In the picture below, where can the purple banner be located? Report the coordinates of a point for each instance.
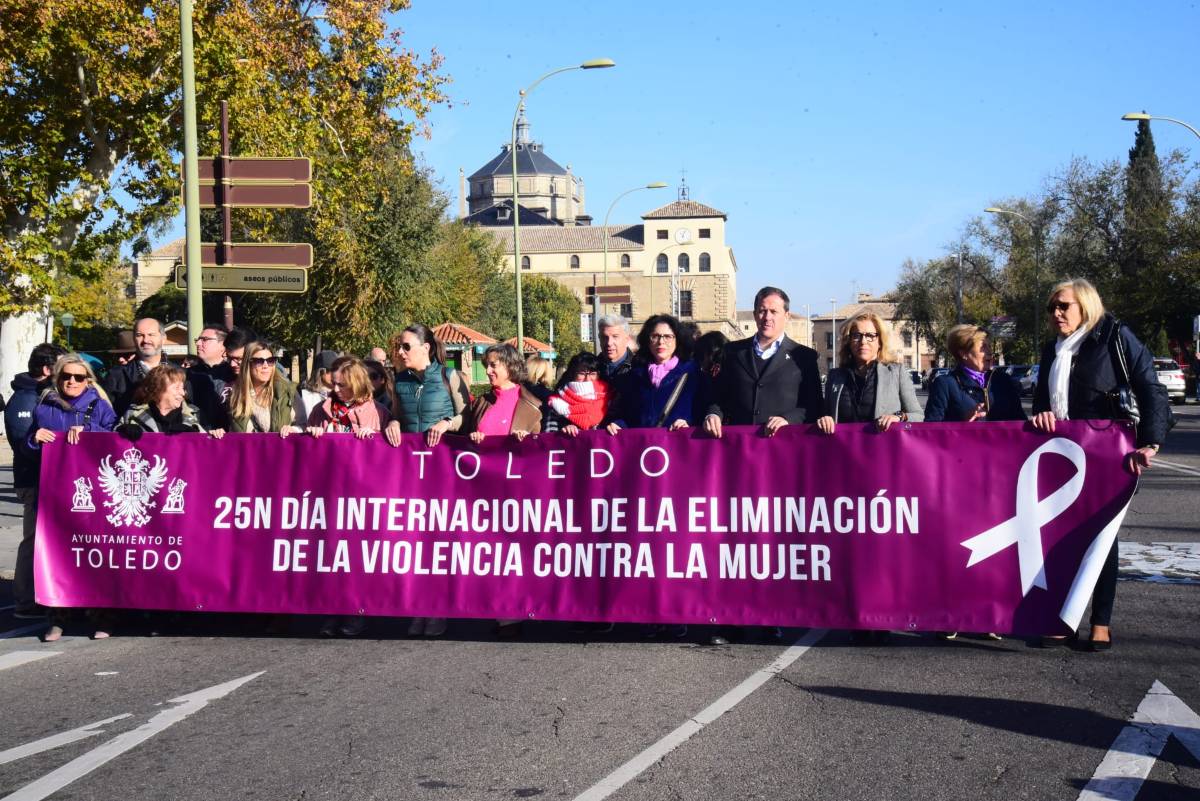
(927, 527)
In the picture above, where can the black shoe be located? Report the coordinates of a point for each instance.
(772, 633)
(717, 639)
(1047, 641)
(1097, 646)
(508, 631)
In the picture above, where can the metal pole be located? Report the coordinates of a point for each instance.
(958, 317)
(191, 178)
(1037, 304)
(833, 330)
(516, 212)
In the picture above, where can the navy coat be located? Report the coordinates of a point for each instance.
(954, 396)
(640, 404)
(1094, 379)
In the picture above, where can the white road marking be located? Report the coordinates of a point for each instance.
(1165, 562)
(23, 630)
(6, 608)
(185, 706)
(1179, 468)
(634, 767)
(58, 740)
(17, 658)
(1160, 716)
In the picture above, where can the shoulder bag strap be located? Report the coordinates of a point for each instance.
(671, 401)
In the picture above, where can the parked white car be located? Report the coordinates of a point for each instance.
(1030, 379)
(1170, 375)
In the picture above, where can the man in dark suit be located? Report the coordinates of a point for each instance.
(766, 379)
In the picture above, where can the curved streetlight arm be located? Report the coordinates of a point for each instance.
(1136, 117)
(596, 63)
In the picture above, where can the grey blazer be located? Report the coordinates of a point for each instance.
(894, 391)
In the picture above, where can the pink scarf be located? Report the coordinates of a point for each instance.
(659, 371)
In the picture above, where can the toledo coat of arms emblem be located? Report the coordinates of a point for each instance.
(131, 484)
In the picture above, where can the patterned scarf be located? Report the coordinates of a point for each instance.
(583, 403)
(339, 415)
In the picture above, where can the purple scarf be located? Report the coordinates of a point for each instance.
(976, 376)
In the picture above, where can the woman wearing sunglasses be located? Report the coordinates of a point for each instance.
(1092, 358)
(429, 399)
(72, 404)
(430, 396)
(263, 399)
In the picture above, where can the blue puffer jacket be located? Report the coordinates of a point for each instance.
(955, 396)
(56, 413)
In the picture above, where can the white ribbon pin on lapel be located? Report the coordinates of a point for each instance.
(1025, 528)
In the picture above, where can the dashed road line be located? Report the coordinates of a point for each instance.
(17, 658)
(634, 767)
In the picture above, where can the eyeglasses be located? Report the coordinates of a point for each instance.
(207, 339)
(661, 337)
(263, 361)
(1059, 305)
(863, 336)
(582, 375)
(67, 378)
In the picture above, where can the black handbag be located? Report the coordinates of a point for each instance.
(1124, 399)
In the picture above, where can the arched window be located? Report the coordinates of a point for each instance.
(660, 265)
(685, 264)
(524, 262)
(624, 261)
(705, 263)
(574, 262)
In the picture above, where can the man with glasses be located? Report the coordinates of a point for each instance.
(210, 348)
(18, 423)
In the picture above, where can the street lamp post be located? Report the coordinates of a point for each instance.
(1135, 117)
(595, 63)
(67, 321)
(833, 330)
(604, 234)
(1036, 229)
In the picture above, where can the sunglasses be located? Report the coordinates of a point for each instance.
(375, 376)
(407, 346)
(1059, 305)
(263, 361)
(80, 378)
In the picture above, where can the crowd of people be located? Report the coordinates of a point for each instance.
(668, 377)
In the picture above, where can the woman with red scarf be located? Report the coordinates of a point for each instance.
(581, 400)
(351, 408)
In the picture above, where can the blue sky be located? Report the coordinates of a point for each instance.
(840, 140)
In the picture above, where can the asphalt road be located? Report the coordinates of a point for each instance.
(558, 716)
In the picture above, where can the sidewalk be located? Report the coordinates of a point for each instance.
(10, 515)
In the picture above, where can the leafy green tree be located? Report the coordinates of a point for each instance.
(543, 299)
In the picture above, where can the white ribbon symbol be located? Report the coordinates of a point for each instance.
(1025, 529)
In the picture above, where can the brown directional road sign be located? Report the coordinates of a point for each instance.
(616, 293)
(256, 170)
(252, 254)
(247, 279)
(265, 196)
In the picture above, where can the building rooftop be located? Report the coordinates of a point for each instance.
(531, 160)
(459, 334)
(576, 238)
(171, 250)
(491, 216)
(682, 209)
(531, 345)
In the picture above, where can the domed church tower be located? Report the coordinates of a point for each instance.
(548, 194)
